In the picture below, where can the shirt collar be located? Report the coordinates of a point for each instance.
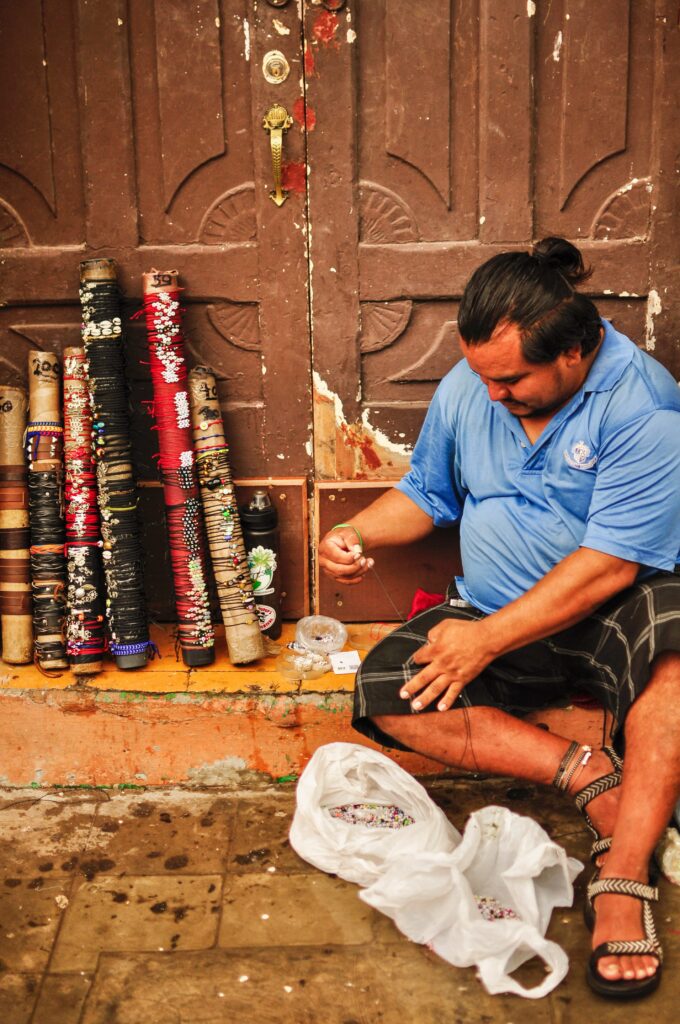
(614, 356)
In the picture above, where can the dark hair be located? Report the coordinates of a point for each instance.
(534, 290)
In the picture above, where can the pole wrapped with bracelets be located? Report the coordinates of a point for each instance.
(15, 574)
(44, 454)
(223, 526)
(177, 467)
(85, 623)
(116, 488)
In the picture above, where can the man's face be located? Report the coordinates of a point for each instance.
(525, 389)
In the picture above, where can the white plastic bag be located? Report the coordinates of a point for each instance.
(427, 878)
(346, 773)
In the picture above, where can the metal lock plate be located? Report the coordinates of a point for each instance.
(275, 67)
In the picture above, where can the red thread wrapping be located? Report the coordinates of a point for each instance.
(178, 469)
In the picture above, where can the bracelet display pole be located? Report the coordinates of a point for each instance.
(178, 468)
(116, 488)
(15, 574)
(85, 625)
(223, 526)
(44, 451)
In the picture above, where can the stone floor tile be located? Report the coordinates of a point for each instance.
(293, 910)
(261, 836)
(17, 997)
(29, 917)
(138, 833)
(144, 913)
(360, 985)
(61, 998)
(43, 832)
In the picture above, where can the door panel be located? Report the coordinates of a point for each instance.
(479, 126)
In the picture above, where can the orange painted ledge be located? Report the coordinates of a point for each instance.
(167, 725)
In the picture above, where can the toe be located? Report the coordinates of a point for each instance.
(610, 968)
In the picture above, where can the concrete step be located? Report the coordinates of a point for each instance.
(168, 725)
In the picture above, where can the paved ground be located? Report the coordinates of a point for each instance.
(190, 907)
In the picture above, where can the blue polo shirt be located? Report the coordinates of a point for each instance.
(604, 474)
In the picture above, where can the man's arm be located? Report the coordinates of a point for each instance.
(391, 519)
(458, 651)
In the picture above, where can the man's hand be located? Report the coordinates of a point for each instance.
(454, 655)
(340, 557)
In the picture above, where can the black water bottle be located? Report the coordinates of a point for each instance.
(260, 524)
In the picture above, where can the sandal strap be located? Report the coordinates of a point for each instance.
(600, 846)
(622, 887)
(596, 788)
(616, 761)
(637, 947)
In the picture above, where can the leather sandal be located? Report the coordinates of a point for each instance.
(624, 988)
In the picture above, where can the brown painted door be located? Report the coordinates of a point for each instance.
(448, 130)
(133, 130)
(426, 137)
(444, 132)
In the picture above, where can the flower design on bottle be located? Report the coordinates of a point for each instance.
(262, 565)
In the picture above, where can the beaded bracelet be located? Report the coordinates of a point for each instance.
(338, 526)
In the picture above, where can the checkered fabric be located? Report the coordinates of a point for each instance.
(607, 656)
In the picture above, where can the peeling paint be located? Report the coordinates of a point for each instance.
(325, 27)
(653, 309)
(531, 8)
(304, 114)
(309, 448)
(282, 29)
(309, 61)
(246, 38)
(557, 46)
(218, 772)
(294, 177)
(382, 438)
(351, 35)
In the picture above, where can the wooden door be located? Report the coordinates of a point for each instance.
(427, 136)
(133, 130)
(444, 132)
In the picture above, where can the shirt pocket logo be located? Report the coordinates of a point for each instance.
(580, 456)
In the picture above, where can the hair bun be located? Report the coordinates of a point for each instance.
(561, 255)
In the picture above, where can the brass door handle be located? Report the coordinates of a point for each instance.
(276, 121)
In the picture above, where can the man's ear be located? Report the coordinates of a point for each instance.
(573, 356)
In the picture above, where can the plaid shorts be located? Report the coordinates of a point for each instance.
(607, 656)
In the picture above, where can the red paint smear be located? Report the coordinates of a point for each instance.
(310, 65)
(325, 27)
(305, 117)
(294, 177)
(356, 440)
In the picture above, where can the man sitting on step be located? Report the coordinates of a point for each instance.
(555, 445)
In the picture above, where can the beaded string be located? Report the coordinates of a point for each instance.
(85, 624)
(43, 442)
(112, 453)
(15, 578)
(178, 469)
(223, 525)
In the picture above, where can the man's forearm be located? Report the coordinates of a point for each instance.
(392, 519)
(567, 594)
